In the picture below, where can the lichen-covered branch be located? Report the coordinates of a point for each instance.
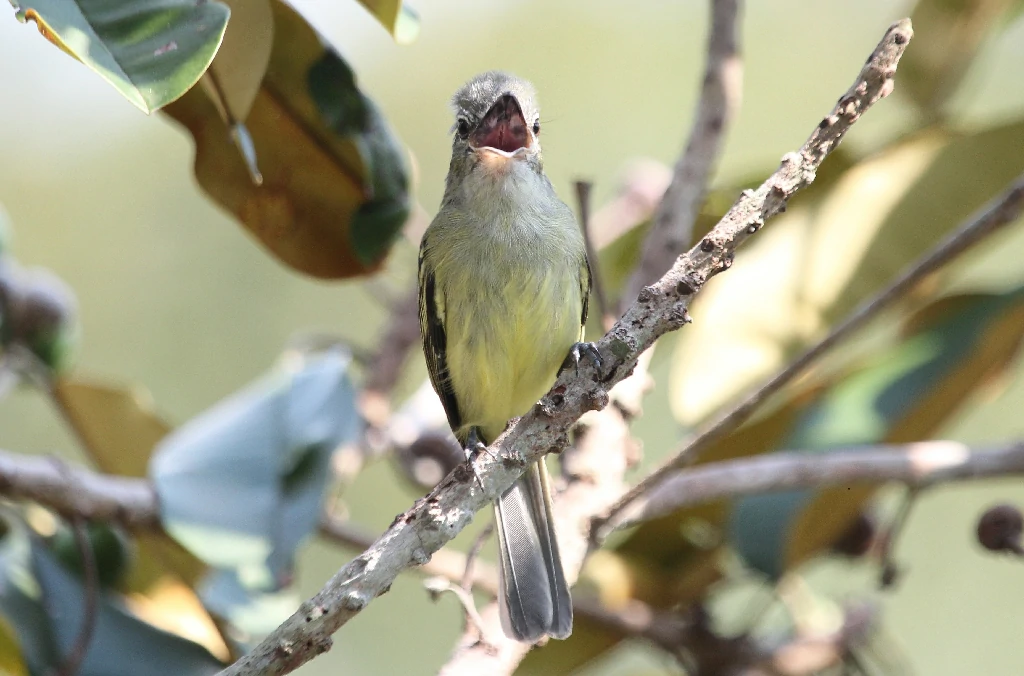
(661, 307)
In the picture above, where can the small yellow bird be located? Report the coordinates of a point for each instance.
(503, 288)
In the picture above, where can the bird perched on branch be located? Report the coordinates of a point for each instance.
(503, 287)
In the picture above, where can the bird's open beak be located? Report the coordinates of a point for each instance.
(503, 130)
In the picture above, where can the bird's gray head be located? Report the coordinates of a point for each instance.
(497, 122)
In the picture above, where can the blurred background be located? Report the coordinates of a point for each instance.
(175, 296)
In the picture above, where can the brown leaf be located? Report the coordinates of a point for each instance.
(314, 179)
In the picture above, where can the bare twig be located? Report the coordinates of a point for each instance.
(73, 662)
(722, 88)
(438, 585)
(889, 571)
(642, 185)
(76, 492)
(917, 465)
(596, 279)
(660, 308)
(998, 213)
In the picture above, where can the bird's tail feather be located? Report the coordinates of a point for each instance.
(533, 596)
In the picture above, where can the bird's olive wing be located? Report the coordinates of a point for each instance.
(432, 316)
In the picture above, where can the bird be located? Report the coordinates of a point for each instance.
(504, 283)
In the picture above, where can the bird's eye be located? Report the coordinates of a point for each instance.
(536, 127)
(462, 128)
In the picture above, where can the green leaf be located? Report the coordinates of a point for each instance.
(21, 595)
(150, 51)
(111, 550)
(329, 200)
(378, 221)
(241, 486)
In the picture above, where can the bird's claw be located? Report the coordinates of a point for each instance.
(588, 350)
(473, 448)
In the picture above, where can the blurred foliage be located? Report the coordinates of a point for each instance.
(46, 604)
(903, 392)
(954, 32)
(324, 188)
(332, 189)
(275, 440)
(290, 146)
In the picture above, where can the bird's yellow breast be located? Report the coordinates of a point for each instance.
(509, 266)
(508, 334)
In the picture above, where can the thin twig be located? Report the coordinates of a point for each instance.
(888, 570)
(661, 307)
(721, 91)
(90, 610)
(990, 219)
(918, 465)
(642, 185)
(78, 492)
(596, 279)
(438, 585)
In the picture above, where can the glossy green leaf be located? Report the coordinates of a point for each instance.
(674, 560)
(321, 190)
(241, 485)
(903, 395)
(151, 52)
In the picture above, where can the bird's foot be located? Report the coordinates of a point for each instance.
(473, 448)
(580, 350)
